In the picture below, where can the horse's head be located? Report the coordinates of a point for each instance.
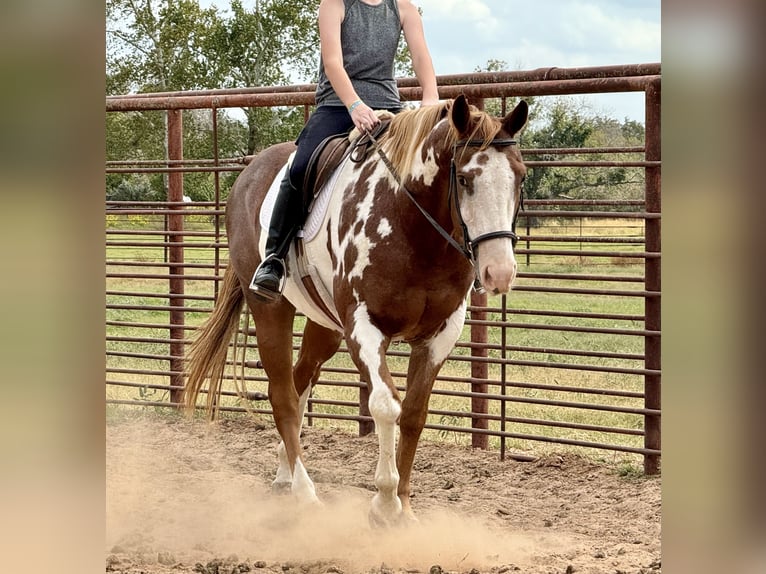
(457, 150)
(487, 174)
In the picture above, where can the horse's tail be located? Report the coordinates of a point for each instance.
(207, 355)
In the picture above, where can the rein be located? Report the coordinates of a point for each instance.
(469, 245)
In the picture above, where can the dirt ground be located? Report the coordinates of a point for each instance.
(185, 496)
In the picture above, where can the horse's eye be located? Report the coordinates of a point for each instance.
(462, 181)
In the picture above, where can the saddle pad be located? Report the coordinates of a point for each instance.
(314, 220)
(321, 201)
(312, 299)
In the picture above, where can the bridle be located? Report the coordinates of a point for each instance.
(468, 243)
(468, 248)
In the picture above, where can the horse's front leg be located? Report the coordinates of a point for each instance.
(367, 346)
(426, 359)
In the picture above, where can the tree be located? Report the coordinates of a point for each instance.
(135, 136)
(198, 144)
(140, 136)
(565, 123)
(561, 125)
(275, 44)
(494, 106)
(403, 59)
(154, 45)
(161, 45)
(617, 182)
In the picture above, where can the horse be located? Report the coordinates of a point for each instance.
(408, 232)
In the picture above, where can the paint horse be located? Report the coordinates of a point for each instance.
(406, 234)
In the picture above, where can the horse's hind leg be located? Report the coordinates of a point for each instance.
(274, 331)
(319, 344)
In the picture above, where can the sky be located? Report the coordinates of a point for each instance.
(464, 35)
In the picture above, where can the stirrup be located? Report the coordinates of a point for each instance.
(267, 294)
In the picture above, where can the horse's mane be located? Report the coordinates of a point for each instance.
(410, 128)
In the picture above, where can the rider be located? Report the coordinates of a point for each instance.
(358, 44)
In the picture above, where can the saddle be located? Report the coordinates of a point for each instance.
(330, 153)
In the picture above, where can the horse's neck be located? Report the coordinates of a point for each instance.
(428, 183)
(423, 230)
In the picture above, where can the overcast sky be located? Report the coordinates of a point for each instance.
(465, 34)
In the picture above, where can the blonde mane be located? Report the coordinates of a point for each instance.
(410, 128)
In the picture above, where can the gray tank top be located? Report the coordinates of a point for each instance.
(369, 39)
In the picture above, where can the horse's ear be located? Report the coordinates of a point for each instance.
(514, 121)
(460, 114)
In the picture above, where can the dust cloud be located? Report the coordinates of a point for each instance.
(194, 500)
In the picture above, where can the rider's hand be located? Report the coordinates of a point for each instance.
(364, 117)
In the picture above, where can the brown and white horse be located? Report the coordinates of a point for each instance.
(404, 238)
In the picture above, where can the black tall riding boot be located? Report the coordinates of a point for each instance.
(268, 279)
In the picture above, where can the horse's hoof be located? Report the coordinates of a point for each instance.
(379, 522)
(281, 488)
(408, 518)
(385, 515)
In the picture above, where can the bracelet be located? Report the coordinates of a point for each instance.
(354, 105)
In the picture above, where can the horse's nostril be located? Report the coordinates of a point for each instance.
(498, 278)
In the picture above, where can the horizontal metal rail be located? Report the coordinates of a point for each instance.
(429, 426)
(306, 98)
(165, 261)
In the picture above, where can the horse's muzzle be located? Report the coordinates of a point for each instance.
(498, 278)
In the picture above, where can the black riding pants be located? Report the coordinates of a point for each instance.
(326, 121)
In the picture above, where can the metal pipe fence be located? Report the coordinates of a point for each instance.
(570, 358)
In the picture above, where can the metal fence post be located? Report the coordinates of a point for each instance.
(176, 253)
(217, 199)
(479, 371)
(652, 278)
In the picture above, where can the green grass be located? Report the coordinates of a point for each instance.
(535, 345)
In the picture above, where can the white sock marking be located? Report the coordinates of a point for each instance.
(284, 476)
(385, 410)
(303, 488)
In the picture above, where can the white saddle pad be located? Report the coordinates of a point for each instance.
(314, 220)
